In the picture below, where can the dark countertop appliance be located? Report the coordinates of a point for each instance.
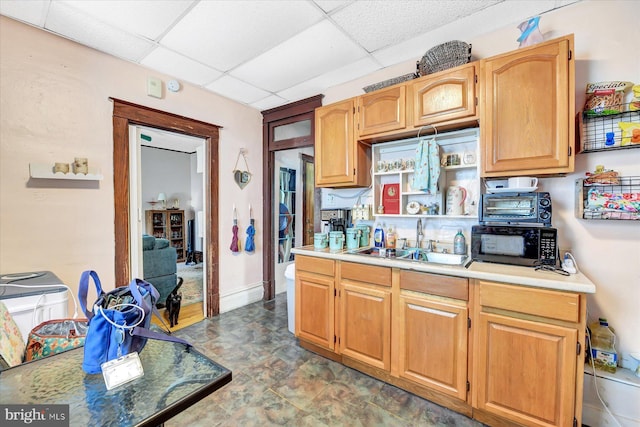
(335, 219)
(515, 208)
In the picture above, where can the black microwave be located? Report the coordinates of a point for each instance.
(518, 245)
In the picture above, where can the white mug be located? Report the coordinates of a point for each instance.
(523, 182)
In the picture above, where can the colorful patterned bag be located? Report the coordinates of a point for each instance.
(55, 336)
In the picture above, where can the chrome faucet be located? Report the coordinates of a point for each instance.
(430, 246)
(419, 232)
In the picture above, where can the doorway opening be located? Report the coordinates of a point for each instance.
(126, 114)
(167, 196)
(288, 127)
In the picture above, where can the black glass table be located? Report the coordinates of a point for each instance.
(174, 379)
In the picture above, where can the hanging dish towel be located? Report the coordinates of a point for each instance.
(249, 245)
(234, 240)
(427, 169)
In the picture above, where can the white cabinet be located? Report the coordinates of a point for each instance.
(394, 163)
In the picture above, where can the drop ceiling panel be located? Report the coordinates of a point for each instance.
(179, 66)
(330, 5)
(148, 18)
(33, 12)
(265, 53)
(332, 78)
(311, 53)
(236, 89)
(223, 34)
(84, 29)
(374, 23)
(270, 102)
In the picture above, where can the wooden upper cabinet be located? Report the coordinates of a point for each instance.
(527, 110)
(340, 160)
(445, 96)
(382, 111)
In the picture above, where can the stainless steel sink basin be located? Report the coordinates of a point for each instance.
(412, 254)
(384, 253)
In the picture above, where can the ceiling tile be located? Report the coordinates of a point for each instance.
(148, 18)
(311, 53)
(269, 102)
(332, 78)
(330, 5)
(34, 12)
(236, 89)
(374, 24)
(174, 64)
(88, 31)
(224, 34)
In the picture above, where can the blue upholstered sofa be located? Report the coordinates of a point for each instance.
(159, 262)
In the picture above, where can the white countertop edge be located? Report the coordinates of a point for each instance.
(526, 276)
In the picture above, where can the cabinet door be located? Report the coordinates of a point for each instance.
(315, 309)
(340, 160)
(382, 111)
(365, 332)
(446, 96)
(526, 370)
(527, 119)
(433, 344)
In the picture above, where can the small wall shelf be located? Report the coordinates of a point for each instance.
(617, 199)
(45, 171)
(595, 128)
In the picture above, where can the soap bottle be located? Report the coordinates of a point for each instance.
(459, 244)
(378, 236)
(603, 351)
(390, 238)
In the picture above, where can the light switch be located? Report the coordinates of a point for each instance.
(154, 87)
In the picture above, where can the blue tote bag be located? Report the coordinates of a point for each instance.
(118, 321)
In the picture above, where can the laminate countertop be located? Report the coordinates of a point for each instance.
(525, 276)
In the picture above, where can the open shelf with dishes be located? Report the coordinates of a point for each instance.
(616, 198)
(395, 167)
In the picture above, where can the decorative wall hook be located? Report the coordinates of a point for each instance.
(242, 177)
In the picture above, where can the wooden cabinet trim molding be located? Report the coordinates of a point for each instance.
(435, 284)
(534, 301)
(366, 273)
(315, 265)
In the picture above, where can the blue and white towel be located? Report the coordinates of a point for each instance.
(427, 169)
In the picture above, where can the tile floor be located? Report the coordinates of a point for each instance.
(276, 382)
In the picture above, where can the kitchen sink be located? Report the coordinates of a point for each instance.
(442, 258)
(412, 254)
(384, 253)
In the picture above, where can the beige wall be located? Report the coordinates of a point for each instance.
(608, 252)
(55, 106)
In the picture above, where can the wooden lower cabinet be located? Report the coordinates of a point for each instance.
(526, 367)
(433, 344)
(315, 301)
(506, 355)
(365, 314)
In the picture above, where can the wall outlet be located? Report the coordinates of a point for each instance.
(564, 251)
